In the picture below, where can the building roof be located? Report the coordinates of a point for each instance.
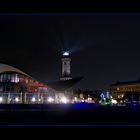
(64, 84)
(126, 83)
(6, 68)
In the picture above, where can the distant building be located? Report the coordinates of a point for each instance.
(122, 90)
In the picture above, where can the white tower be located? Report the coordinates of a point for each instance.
(66, 68)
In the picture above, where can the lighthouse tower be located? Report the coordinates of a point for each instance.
(66, 68)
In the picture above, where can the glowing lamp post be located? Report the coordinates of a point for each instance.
(50, 99)
(33, 99)
(17, 99)
(1, 99)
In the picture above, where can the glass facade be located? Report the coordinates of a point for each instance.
(17, 82)
(18, 87)
(9, 77)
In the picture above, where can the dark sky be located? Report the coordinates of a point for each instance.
(104, 49)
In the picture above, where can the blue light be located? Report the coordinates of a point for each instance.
(65, 53)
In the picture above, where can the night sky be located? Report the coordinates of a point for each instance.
(104, 49)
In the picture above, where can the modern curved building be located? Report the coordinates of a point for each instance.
(19, 87)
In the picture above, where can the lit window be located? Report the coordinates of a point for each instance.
(12, 77)
(4, 77)
(8, 76)
(1, 77)
(16, 79)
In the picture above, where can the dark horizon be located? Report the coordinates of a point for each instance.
(104, 49)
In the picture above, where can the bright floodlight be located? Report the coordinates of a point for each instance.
(65, 53)
(33, 99)
(50, 99)
(64, 100)
(114, 101)
(16, 99)
(1, 99)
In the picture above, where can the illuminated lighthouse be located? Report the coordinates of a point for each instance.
(66, 68)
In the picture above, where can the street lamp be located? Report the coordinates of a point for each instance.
(1, 99)
(17, 99)
(33, 99)
(64, 100)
